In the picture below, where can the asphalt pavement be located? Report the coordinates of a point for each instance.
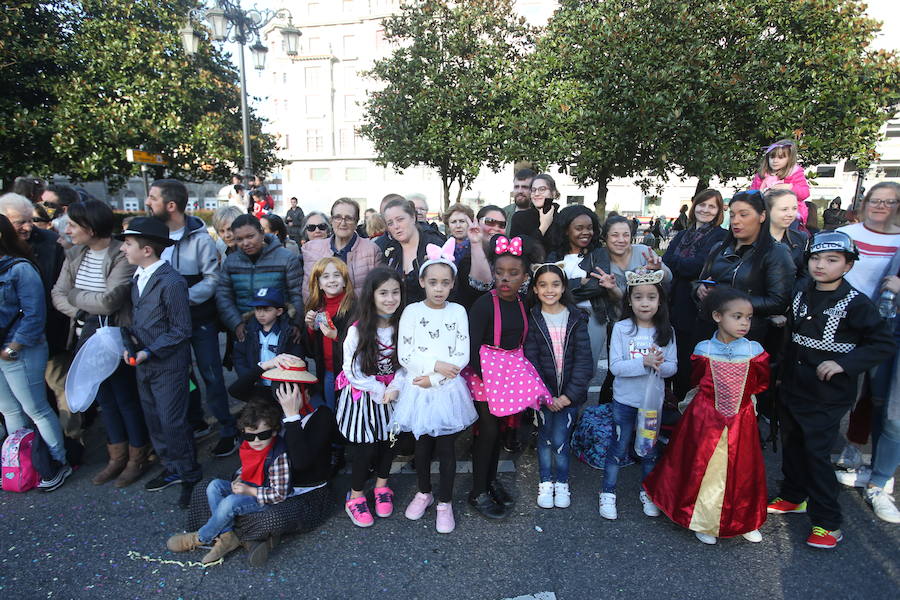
(84, 541)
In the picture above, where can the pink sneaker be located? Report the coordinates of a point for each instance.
(384, 502)
(419, 504)
(358, 511)
(445, 521)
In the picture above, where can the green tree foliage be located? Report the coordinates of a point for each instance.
(123, 81)
(442, 99)
(627, 87)
(30, 63)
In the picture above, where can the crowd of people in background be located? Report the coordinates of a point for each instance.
(357, 336)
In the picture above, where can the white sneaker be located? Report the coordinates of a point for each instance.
(706, 538)
(649, 508)
(753, 536)
(860, 478)
(608, 506)
(850, 458)
(545, 494)
(883, 504)
(561, 497)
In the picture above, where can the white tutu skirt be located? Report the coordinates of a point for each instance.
(434, 411)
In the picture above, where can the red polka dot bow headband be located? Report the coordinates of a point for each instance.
(503, 245)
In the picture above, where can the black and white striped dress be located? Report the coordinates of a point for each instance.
(361, 416)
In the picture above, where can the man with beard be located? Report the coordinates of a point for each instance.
(521, 195)
(194, 255)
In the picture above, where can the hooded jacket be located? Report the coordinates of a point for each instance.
(578, 364)
(196, 258)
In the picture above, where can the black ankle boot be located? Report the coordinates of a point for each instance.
(500, 495)
(485, 505)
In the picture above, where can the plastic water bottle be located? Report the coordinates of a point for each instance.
(886, 307)
(647, 429)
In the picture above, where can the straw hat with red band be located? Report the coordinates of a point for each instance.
(295, 372)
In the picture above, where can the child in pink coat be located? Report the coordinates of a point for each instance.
(778, 167)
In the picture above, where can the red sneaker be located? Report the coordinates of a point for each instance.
(822, 538)
(384, 502)
(780, 506)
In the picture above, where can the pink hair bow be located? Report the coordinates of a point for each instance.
(435, 252)
(504, 245)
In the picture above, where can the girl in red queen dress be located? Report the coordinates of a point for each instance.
(712, 479)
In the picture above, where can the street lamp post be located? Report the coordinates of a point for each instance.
(227, 21)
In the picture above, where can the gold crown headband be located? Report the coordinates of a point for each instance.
(633, 278)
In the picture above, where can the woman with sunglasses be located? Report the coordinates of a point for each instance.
(316, 227)
(360, 254)
(404, 248)
(472, 233)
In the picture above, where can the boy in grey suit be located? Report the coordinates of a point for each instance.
(161, 332)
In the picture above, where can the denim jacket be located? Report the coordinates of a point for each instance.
(21, 288)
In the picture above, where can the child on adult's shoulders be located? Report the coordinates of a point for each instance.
(264, 479)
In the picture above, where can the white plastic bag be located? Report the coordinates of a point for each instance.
(649, 415)
(96, 360)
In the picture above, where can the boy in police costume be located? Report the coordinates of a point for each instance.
(836, 335)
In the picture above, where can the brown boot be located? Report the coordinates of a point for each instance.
(138, 462)
(118, 456)
(225, 543)
(183, 542)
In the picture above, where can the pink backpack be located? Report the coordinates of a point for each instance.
(19, 474)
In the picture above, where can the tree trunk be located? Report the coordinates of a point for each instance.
(600, 203)
(445, 184)
(458, 194)
(702, 184)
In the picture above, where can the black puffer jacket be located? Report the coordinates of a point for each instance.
(578, 364)
(770, 285)
(599, 297)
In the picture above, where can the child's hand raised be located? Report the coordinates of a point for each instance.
(290, 399)
(390, 396)
(310, 320)
(446, 369)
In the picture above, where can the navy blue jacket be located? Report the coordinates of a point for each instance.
(161, 318)
(246, 353)
(578, 363)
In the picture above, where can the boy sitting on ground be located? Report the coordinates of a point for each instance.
(264, 478)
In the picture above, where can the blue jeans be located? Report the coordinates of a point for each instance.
(624, 417)
(121, 410)
(23, 396)
(554, 433)
(885, 432)
(329, 399)
(205, 342)
(225, 506)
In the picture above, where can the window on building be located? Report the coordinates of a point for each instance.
(349, 46)
(892, 172)
(314, 106)
(892, 131)
(380, 42)
(314, 140)
(287, 142)
(351, 108)
(316, 46)
(284, 78)
(312, 77)
(345, 136)
(826, 170)
(355, 174)
(574, 199)
(320, 174)
(850, 166)
(351, 76)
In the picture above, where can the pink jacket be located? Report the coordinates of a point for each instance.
(797, 181)
(362, 258)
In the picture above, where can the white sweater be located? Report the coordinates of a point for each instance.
(428, 335)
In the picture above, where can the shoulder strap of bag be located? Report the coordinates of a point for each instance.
(498, 324)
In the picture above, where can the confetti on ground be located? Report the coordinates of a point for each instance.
(187, 563)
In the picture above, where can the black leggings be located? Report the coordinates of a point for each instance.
(379, 454)
(485, 450)
(445, 448)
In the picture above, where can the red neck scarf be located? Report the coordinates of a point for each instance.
(253, 462)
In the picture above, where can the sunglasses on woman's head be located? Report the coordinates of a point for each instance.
(261, 436)
(494, 222)
(320, 227)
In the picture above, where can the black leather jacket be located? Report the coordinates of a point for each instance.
(770, 286)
